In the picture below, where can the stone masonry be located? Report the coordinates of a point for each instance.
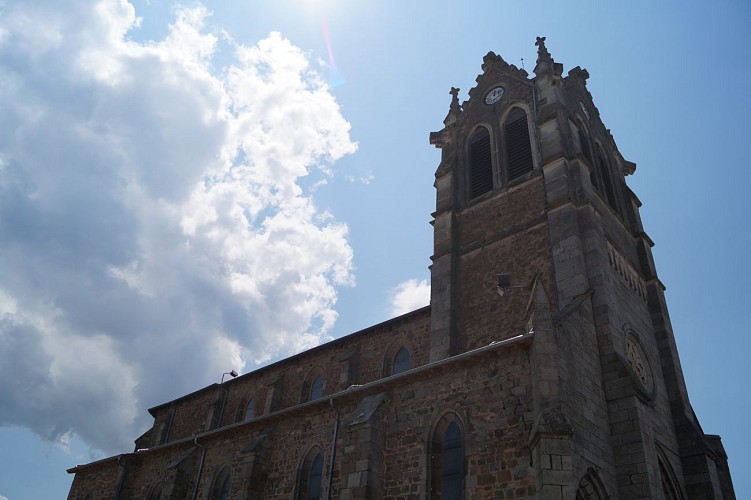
(562, 382)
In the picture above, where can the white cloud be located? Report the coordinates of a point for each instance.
(152, 211)
(3, 497)
(367, 179)
(409, 295)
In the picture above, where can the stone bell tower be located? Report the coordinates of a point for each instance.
(536, 230)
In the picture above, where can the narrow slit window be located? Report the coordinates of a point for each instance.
(222, 484)
(316, 476)
(447, 461)
(310, 479)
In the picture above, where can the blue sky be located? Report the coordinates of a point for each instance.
(142, 256)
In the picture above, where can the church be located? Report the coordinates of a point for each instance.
(545, 366)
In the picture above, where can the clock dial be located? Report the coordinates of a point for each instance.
(494, 95)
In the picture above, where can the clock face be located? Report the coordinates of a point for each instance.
(584, 108)
(494, 95)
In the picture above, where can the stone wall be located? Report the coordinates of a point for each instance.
(356, 359)
(382, 430)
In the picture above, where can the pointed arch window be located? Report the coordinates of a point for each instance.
(250, 409)
(670, 490)
(480, 163)
(591, 487)
(401, 361)
(447, 461)
(222, 484)
(584, 144)
(155, 493)
(316, 388)
(311, 476)
(518, 146)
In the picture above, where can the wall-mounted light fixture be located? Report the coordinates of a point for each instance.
(233, 373)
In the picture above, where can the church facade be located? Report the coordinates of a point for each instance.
(545, 365)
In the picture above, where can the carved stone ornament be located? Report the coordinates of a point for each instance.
(585, 110)
(638, 363)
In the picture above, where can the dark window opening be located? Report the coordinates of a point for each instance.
(316, 388)
(250, 409)
(447, 462)
(453, 462)
(155, 493)
(480, 163)
(401, 361)
(311, 476)
(518, 147)
(584, 145)
(222, 484)
(607, 182)
(316, 476)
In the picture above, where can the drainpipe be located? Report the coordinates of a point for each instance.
(121, 480)
(200, 467)
(333, 448)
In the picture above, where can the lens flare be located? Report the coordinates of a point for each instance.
(335, 76)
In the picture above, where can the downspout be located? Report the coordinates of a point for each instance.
(200, 467)
(121, 481)
(333, 449)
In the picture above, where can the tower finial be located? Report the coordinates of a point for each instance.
(542, 51)
(545, 63)
(455, 109)
(454, 98)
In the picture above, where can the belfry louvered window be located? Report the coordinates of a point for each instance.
(480, 163)
(518, 147)
(584, 144)
(607, 181)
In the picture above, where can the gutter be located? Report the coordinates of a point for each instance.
(354, 389)
(333, 449)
